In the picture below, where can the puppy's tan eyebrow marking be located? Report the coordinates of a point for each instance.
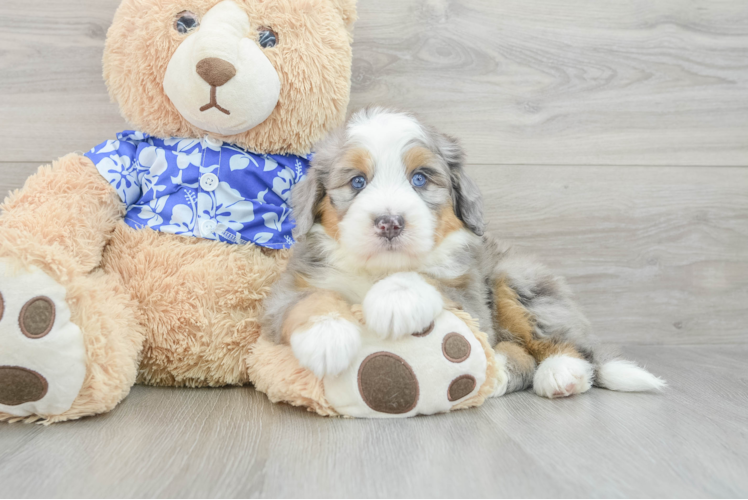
(359, 159)
(417, 157)
(328, 217)
(447, 222)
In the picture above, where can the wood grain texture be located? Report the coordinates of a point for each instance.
(654, 254)
(686, 442)
(521, 82)
(565, 81)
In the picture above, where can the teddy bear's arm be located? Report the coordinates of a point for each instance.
(62, 218)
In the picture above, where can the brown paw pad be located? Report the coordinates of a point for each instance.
(456, 348)
(19, 385)
(37, 317)
(461, 387)
(387, 383)
(2, 306)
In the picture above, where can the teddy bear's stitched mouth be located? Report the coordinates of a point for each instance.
(214, 102)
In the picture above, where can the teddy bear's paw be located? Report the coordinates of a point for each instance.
(424, 373)
(42, 355)
(401, 304)
(328, 346)
(561, 376)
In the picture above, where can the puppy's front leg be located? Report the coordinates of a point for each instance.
(323, 333)
(401, 304)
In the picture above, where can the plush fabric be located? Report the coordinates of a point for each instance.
(313, 61)
(151, 306)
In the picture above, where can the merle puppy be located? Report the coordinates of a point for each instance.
(387, 218)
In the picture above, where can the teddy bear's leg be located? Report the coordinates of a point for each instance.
(69, 339)
(65, 351)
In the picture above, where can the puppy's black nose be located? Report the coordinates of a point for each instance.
(389, 226)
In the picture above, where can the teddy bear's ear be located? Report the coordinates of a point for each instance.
(347, 9)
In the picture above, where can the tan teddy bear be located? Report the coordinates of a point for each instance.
(147, 259)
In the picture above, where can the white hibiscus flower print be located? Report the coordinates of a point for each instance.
(151, 212)
(121, 174)
(226, 206)
(107, 147)
(274, 222)
(159, 180)
(154, 160)
(283, 182)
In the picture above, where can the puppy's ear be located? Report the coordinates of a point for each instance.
(468, 202)
(305, 196)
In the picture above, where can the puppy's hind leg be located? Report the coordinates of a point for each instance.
(556, 333)
(518, 368)
(534, 309)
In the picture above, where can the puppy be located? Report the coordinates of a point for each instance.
(387, 218)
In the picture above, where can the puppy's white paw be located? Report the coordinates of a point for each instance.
(400, 305)
(561, 376)
(328, 346)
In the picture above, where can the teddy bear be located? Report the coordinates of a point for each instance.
(147, 259)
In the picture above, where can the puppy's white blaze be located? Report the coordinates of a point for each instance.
(622, 375)
(328, 346)
(385, 135)
(560, 376)
(400, 305)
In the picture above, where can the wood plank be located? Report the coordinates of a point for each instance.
(52, 95)
(655, 254)
(685, 442)
(521, 82)
(565, 81)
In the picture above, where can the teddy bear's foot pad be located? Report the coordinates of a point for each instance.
(42, 355)
(421, 374)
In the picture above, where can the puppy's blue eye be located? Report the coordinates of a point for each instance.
(418, 180)
(358, 182)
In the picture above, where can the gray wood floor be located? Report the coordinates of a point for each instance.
(609, 138)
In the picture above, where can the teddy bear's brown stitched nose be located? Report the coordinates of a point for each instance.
(216, 71)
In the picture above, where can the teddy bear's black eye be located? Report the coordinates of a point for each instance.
(268, 38)
(186, 21)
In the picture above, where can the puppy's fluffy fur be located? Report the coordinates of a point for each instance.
(372, 232)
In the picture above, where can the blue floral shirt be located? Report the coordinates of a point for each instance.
(202, 188)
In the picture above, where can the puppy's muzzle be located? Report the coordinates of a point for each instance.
(389, 226)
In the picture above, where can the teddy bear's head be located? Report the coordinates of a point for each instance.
(271, 76)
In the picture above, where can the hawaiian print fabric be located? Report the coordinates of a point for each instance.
(202, 188)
